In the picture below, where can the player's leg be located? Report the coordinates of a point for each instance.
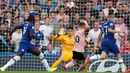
(12, 61)
(103, 55)
(115, 50)
(120, 60)
(73, 61)
(65, 57)
(34, 50)
(57, 63)
(70, 64)
(81, 61)
(22, 49)
(81, 66)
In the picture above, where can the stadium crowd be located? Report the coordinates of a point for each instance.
(53, 15)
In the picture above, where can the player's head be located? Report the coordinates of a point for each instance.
(96, 24)
(47, 21)
(70, 31)
(37, 25)
(31, 19)
(111, 13)
(82, 23)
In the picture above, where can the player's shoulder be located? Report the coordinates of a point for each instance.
(40, 32)
(110, 22)
(91, 30)
(64, 36)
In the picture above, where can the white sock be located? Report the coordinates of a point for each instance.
(44, 62)
(46, 65)
(95, 57)
(12, 61)
(123, 67)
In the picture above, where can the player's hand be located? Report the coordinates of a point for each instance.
(62, 31)
(96, 49)
(9, 38)
(98, 46)
(122, 34)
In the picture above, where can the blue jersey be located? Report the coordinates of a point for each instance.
(26, 29)
(40, 36)
(104, 28)
(109, 42)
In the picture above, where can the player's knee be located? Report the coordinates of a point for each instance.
(41, 56)
(17, 58)
(120, 60)
(102, 58)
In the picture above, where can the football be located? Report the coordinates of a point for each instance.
(70, 4)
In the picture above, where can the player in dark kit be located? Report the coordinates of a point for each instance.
(108, 43)
(25, 45)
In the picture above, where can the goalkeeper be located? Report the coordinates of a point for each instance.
(68, 45)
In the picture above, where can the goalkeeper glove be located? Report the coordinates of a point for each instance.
(61, 32)
(88, 39)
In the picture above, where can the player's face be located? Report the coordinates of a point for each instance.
(70, 32)
(120, 20)
(44, 15)
(47, 21)
(26, 15)
(96, 25)
(53, 15)
(37, 25)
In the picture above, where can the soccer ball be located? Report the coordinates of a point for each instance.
(70, 4)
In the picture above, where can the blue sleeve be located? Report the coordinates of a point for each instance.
(21, 25)
(31, 29)
(42, 36)
(110, 25)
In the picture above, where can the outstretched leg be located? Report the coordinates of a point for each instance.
(12, 61)
(71, 63)
(56, 63)
(120, 60)
(37, 52)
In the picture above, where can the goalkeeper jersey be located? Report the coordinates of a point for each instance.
(67, 42)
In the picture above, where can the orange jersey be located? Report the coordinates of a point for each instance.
(67, 42)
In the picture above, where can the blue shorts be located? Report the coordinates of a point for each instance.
(25, 47)
(110, 46)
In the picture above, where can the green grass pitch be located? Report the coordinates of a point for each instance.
(48, 72)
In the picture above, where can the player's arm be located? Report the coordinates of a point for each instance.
(42, 41)
(42, 44)
(14, 29)
(31, 31)
(110, 28)
(32, 36)
(58, 37)
(86, 27)
(99, 39)
(114, 31)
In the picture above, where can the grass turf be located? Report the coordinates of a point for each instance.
(48, 72)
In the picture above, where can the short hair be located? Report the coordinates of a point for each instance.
(61, 20)
(53, 12)
(70, 28)
(81, 23)
(31, 18)
(96, 21)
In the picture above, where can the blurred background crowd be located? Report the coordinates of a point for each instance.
(53, 15)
